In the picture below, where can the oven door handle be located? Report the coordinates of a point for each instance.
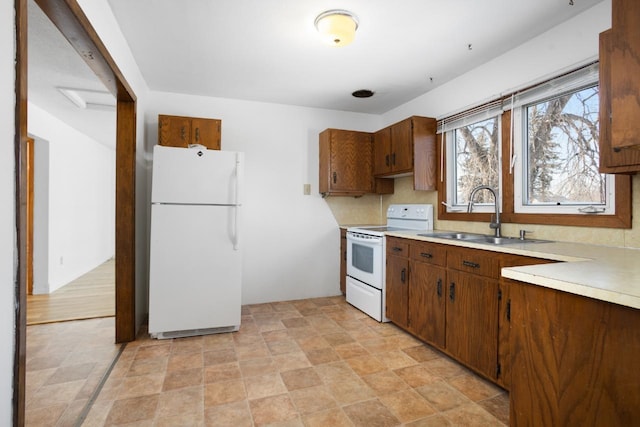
(374, 241)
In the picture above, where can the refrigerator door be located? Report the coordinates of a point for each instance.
(195, 274)
(196, 176)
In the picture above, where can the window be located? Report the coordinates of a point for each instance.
(540, 148)
(556, 153)
(475, 161)
(473, 157)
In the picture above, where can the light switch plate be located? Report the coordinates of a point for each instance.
(306, 189)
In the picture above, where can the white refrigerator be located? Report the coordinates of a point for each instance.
(195, 252)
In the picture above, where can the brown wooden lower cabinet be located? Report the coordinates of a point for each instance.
(397, 282)
(453, 298)
(472, 321)
(575, 360)
(427, 296)
(566, 360)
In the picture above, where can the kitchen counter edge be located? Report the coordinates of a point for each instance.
(605, 273)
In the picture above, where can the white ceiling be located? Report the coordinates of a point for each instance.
(268, 50)
(53, 64)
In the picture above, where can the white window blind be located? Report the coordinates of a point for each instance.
(470, 116)
(583, 77)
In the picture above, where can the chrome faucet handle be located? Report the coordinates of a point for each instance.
(523, 233)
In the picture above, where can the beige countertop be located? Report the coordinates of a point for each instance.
(605, 273)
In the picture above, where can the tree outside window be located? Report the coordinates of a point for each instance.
(561, 145)
(476, 159)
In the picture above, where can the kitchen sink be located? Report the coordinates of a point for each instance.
(481, 238)
(454, 236)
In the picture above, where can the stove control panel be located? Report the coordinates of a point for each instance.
(415, 211)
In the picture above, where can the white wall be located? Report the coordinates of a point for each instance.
(79, 205)
(563, 48)
(291, 240)
(41, 216)
(7, 207)
(102, 19)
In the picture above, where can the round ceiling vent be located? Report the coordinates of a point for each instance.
(363, 93)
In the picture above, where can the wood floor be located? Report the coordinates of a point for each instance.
(89, 296)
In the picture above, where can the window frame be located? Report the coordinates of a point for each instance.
(521, 157)
(620, 219)
(451, 163)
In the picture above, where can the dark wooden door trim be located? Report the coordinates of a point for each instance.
(69, 18)
(20, 145)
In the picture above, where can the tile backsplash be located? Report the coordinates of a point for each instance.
(371, 209)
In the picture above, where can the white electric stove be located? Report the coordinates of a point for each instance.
(366, 247)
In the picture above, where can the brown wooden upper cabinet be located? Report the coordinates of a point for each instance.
(177, 131)
(407, 147)
(619, 87)
(346, 167)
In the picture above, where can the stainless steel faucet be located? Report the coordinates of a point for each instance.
(493, 224)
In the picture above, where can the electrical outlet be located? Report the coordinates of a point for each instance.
(61, 260)
(307, 189)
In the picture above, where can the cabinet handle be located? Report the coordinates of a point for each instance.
(452, 291)
(403, 275)
(197, 134)
(439, 288)
(426, 255)
(335, 177)
(183, 133)
(470, 264)
(396, 249)
(393, 159)
(386, 159)
(509, 310)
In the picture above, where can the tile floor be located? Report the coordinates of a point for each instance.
(315, 362)
(64, 364)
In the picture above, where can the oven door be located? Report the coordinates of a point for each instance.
(365, 258)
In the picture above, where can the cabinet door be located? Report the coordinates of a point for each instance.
(425, 157)
(397, 294)
(504, 315)
(382, 151)
(402, 147)
(174, 131)
(427, 303)
(612, 159)
(206, 132)
(625, 73)
(472, 321)
(351, 167)
(574, 360)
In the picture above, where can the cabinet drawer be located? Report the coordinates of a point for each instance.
(431, 253)
(397, 247)
(474, 261)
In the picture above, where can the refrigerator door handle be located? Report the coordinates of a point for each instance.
(236, 227)
(238, 180)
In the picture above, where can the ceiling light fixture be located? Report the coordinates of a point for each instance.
(89, 99)
(337, 27)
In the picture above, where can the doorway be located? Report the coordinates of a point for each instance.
(74, 25)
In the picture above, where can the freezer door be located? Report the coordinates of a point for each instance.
(196, 176)
(195, 274)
